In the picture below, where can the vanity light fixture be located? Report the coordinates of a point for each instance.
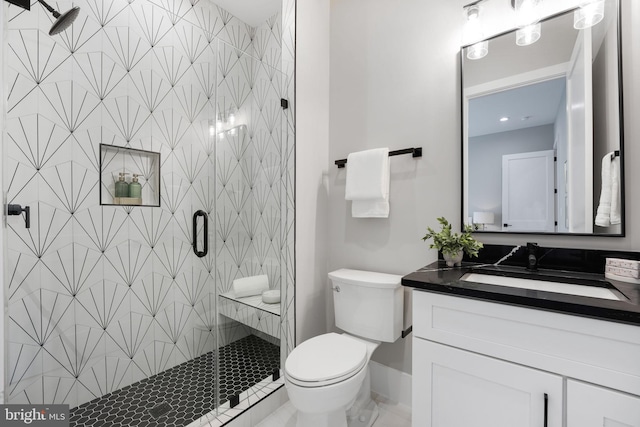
(588, 14)
(504, 119)
(529, 28)
(473, 30)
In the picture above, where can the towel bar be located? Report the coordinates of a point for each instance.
(415, 152)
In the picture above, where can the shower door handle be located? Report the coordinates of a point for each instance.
(205, 246)
(17, 210)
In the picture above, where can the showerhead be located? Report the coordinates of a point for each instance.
(64, 20)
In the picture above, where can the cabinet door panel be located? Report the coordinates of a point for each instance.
(592, 406)
(454, 387)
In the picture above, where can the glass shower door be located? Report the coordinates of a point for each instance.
(250, 186)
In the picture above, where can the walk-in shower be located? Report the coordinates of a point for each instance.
(152, 143)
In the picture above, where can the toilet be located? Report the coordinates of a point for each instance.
(327, 376)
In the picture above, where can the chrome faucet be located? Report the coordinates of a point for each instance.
(532, 256)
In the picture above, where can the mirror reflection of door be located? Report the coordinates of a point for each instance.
(528, 182)
(488, 144)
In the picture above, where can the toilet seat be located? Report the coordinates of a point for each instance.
(326, 359)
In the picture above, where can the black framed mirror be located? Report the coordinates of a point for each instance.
(542, 137)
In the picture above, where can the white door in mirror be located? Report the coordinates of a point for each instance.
(528, 192)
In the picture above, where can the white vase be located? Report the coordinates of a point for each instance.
(455, 259)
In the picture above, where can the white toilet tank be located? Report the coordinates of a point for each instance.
(368, 304)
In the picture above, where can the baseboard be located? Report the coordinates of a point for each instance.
(393, 384)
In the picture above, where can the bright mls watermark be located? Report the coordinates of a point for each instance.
(34, 415)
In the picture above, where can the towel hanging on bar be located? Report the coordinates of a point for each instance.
(368, 183)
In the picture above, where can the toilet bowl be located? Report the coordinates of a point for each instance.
(327, 377)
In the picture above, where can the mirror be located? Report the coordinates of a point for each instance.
(542, 131)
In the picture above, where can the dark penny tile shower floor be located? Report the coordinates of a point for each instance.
(187, 389)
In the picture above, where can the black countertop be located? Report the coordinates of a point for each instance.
(439, 278)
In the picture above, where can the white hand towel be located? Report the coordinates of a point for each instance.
(615, 191)
(603, 214)
(249, 286)
(368, 183)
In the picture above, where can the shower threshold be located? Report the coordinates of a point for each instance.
(184, 393)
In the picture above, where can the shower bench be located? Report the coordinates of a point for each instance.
(252, 312)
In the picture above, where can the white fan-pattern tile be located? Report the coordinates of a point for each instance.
(103, 296)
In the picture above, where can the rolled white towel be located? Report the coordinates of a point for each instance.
(249, 286)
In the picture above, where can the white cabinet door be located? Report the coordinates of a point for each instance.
(456, 388)
(592, 406)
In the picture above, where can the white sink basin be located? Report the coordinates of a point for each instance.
(542, 285)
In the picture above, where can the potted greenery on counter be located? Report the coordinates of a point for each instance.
(453, 245)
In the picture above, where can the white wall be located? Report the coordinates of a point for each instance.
(394, 84)
(312, 159)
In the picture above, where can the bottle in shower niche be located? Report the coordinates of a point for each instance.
(135, 188)
(122, 187)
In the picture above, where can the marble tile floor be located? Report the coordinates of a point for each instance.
(391, 415)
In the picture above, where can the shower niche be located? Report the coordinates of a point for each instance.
(129, 176)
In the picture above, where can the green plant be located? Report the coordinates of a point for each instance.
(451, 243)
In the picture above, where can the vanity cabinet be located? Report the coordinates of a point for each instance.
(593, 406)
(467, 389)
(482, 363)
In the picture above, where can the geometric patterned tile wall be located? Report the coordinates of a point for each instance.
(103, 296)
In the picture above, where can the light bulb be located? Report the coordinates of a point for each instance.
(473, 13)
(478, 50)
(528, 35)
(232, 118)
(589, 14)
(527, 12)
(472, 27)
